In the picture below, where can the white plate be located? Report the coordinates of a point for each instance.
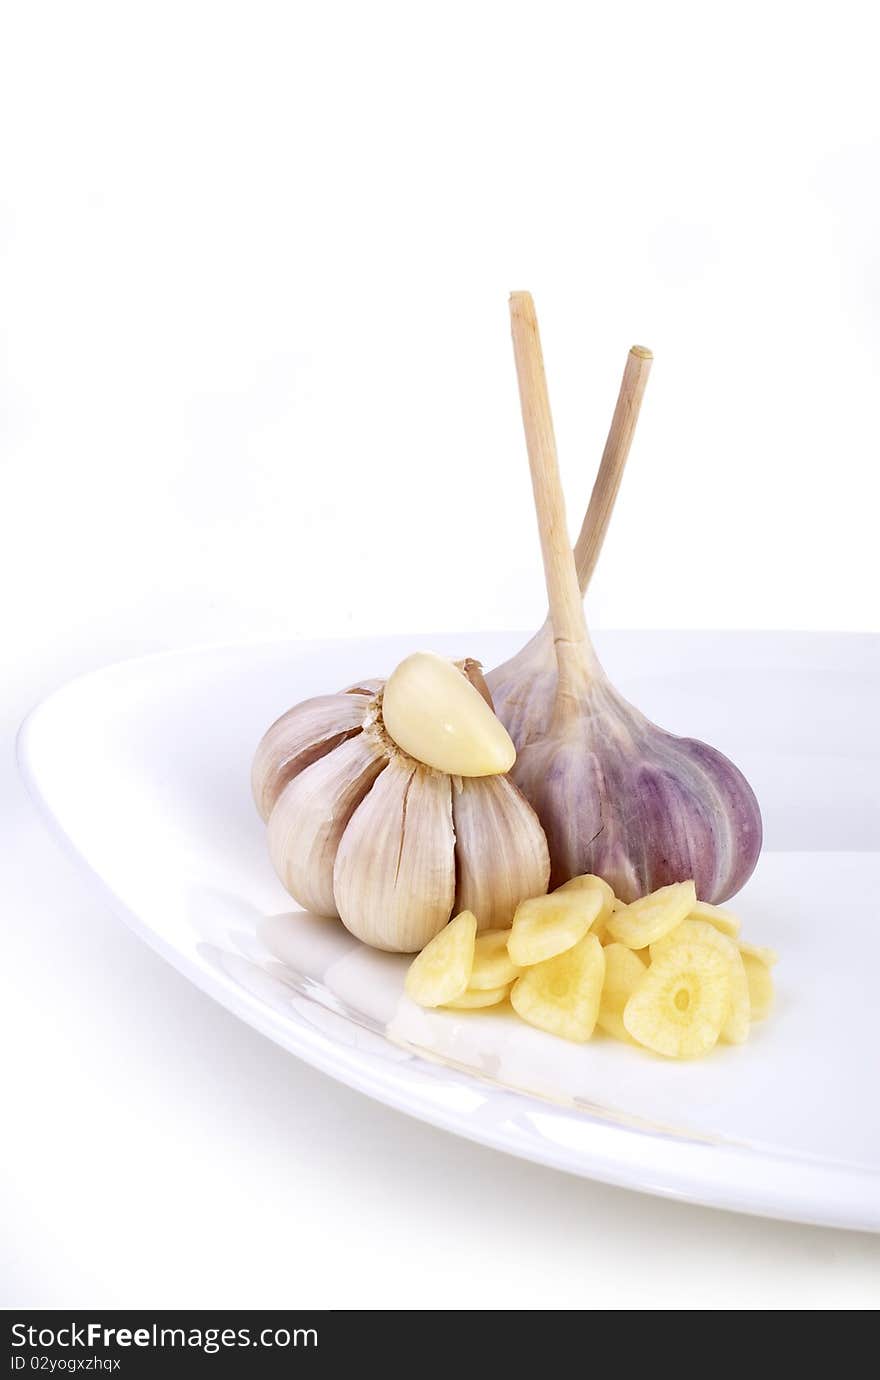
(143, 768)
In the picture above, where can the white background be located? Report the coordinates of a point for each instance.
(257, 382)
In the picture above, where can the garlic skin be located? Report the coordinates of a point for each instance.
(640, 807)
(689, 810)
(617, 796)
(523, 688)
(299, 738)
(394, 876)
(360, 829)
(494, 821)
(313, 812)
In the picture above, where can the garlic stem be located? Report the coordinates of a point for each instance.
(614, 457)
(574, 655)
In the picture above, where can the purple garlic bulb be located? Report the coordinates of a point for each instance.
(627, 801)
(617, 796)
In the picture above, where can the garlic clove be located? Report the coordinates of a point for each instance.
(500, 851)
(313, 812)
(394, 877)
(300, 737)
(433, 712)
(562, 776)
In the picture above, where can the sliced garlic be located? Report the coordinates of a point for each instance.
(545, 926)
(722, 919)
(493, 966)
(432, 711)
(588, 882)
(737, 1020)
(760, 981)
(679, 1006)
(478, 998)
(441, 971)
(645, 921)
(394, 877)
(624, 971)
(562, 994)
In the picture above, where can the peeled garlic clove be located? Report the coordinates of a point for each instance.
(313, 812)
(500, 849)
(394, 877)
(300, 737)
(432, 711)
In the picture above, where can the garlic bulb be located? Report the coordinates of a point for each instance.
(388, 806)
(617, 796)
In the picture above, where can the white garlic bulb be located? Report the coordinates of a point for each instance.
(388, 806)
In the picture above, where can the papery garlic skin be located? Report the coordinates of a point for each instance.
(312, 814)
(523, 688)
(501, 858)
(301, 736)
(394, 876)
(640, 807)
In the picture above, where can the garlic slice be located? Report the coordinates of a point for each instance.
(394, 878)
(313, 812)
